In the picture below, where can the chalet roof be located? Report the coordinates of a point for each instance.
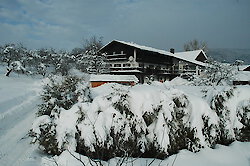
(243, 67)
(243, 76)
(144, 47)
(189, 56)
(115, 78)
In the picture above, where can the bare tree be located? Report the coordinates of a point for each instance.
(92, 44)
(195, 45)
(92, 61)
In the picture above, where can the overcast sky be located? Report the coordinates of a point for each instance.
(162, 24)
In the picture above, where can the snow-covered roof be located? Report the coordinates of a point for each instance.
(189, 56)
(243, 67)
(145, 47)
(243, 76)
(116, 78)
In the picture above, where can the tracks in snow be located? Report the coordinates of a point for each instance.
(17, 112)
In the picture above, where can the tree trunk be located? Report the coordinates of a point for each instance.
(8, 72)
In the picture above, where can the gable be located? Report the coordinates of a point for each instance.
(201, 57)
(247, 69)
(117, 47)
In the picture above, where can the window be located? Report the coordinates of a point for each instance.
(151, 66)
(192, 67)
(126, 65)
(158, 67)
(141, 65)
(117, 65)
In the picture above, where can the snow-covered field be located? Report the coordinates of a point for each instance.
(19, 96)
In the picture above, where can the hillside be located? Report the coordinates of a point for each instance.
(230, 55)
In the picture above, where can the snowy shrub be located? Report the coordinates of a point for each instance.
(43, 131)
(113, 129)
(210, 131)
(41, 69)
(226, 134)
(117, 125)
(243, 114)
(59, 94)
(143, 120)
(182, 135)
(232, 107)
(62, 93)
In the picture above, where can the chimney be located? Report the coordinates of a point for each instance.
(172, 50)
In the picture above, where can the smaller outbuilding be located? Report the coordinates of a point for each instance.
(242, 78)
(97, 80)
(244, 68)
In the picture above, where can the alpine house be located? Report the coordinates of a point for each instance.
(126, 58)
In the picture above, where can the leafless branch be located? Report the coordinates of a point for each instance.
(76, 157)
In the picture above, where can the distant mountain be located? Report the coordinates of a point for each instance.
(229, 55)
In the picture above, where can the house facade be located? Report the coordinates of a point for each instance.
(126, 58)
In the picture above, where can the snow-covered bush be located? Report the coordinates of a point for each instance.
(215, 74)
(62, 92)
(210, 131)
(182, 135)
(226, 134)
(144, 120)
(41, 69)
(44, 132)
(59, 94)
(49, 61)
(243, 114)
(110, 128)
(232, 106)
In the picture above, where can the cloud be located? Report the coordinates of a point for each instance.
(60, 24)
(160, 23)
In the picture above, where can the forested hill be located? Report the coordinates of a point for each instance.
(230, 55)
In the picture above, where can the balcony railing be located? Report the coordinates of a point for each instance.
(111, 55)
(117, 59)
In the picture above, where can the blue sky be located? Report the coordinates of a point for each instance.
(63, 24)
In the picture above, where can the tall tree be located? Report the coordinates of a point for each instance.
(92, 61)
(195, 45)
(92, 44)
(16, 57)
